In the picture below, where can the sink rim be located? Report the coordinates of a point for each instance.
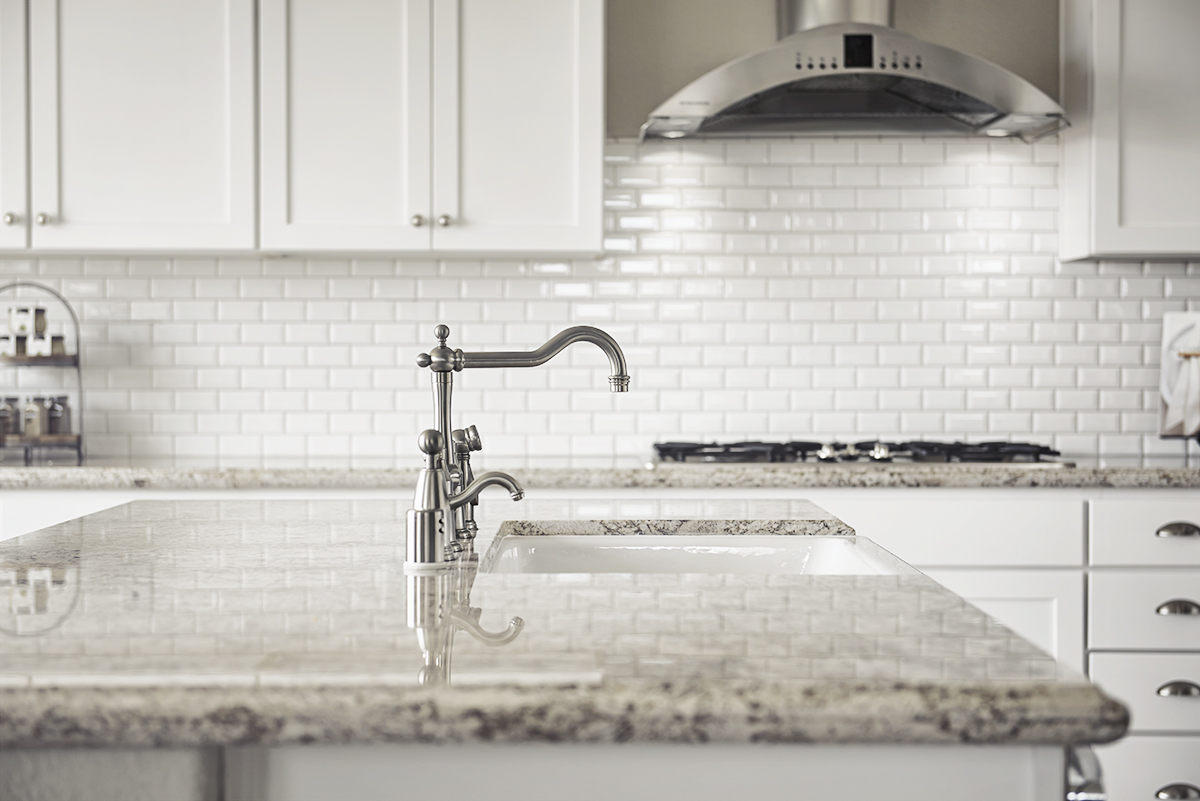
(885, 562)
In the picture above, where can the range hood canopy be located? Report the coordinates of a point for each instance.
(842, 70)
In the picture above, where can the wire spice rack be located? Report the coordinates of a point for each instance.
(41, 443)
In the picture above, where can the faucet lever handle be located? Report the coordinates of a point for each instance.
(473, 441)
(430, 443)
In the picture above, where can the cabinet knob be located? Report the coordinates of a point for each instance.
(417, 220)
(1180, 689)
(1178, 792)
(1180, 528)
(42, 219)
(10, 218)
(1178, 606)
(444, 220)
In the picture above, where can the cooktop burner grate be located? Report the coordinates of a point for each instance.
(876, 451)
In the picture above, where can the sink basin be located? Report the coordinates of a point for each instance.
(693, 553)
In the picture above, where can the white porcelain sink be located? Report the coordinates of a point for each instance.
(694, 553)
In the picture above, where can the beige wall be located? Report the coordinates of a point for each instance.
(655, 47)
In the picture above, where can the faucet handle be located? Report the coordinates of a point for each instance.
(473, 441)
(430, 443)
(466, 440)
(442, 359)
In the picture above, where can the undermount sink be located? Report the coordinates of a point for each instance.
(692, 553)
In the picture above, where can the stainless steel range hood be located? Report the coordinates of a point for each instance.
(841, 69)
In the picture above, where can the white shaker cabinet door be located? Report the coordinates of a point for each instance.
(1131, 164)
(142, 124)
(518, 159)
(14, 231)
(345, 89)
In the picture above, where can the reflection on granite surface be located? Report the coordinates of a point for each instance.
(263, 592)
(238, 601)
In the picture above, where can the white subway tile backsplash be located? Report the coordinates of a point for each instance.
(782, 289)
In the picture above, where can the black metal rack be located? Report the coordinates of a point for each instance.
(74, 441)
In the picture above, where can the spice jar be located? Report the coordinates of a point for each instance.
(58, 415)
(10, 418)
(35, 417)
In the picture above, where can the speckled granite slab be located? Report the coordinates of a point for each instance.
(662, 476)
(274, 622)
(820, 523)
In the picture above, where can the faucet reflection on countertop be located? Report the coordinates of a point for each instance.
(447, 489)
(439, 603)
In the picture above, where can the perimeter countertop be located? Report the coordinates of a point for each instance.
(182, 623)
(1114, 473)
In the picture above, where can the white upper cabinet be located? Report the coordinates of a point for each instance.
(1131, 161)
(141, 120)
(345, 124)
(445, 125)
(13, 192)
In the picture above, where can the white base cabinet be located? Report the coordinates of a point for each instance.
(1142, 648)
(539, 772)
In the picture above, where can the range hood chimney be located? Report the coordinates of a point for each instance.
(840, 69)
(801, 15)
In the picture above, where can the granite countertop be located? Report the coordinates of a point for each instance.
(181, 623)
(1165, 473)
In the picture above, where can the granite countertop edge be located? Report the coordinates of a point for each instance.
(681, 712)
(662, 476)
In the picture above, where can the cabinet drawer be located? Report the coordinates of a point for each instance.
(1136, 768)
(1122, 610)
(1123, 529)
(964, 527)
(1134, 679)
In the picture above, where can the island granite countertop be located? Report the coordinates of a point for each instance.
(183, 623)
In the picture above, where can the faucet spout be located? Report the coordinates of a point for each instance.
(618, 380)
(484, 480)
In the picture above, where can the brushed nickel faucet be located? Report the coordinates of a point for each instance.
(447, 489)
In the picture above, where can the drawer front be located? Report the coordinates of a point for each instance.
(1135, 680)
(1122, 610)
(964, 527)
(1136, 768)
(1123, 529)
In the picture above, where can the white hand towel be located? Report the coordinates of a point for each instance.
(1179, 382)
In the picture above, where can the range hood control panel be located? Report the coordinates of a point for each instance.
(858, 52)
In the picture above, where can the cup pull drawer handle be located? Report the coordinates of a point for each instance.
(1178, 792)
(1180, 528)
(1178, 606)
(1180, 689)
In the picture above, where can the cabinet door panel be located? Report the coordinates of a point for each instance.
(345, 124)
(12, 124)
(1146, 137)
(1043, 606)
(965, 527)
(142, 124)
(518, 160)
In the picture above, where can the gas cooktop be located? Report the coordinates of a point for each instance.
(870, 451)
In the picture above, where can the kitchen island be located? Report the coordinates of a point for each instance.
(244, 634)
